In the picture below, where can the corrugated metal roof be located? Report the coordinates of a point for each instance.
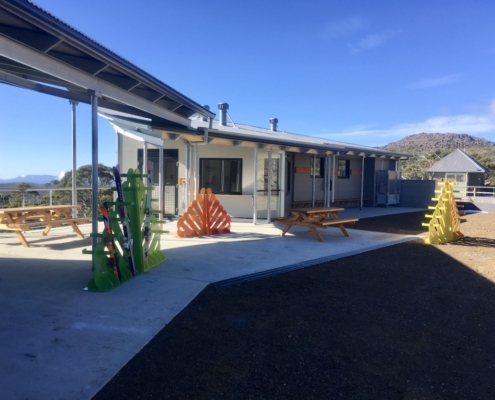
(457, 161)
(26, 24)
(247, 132)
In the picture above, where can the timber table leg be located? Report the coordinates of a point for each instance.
(46, 230)
(21, 238)
(316, 233)
(285, 230)
(341, 226)
(76, 230)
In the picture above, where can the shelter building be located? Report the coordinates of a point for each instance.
(254, 172)
(461, 168)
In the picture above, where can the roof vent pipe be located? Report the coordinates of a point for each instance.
(222, 108)
(205, 118)
(273, 124)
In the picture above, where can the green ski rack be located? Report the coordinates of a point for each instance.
(135, 193)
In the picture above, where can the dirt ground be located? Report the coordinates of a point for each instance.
(410, 321)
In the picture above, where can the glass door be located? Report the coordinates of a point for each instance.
(268, 184)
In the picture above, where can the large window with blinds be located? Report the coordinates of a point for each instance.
(222, 175)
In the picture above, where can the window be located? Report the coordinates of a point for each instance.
(319, 166)
(222, 175)
(344, 169)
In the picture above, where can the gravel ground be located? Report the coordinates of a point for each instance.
(410, 321)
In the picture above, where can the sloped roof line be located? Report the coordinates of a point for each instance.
(457, 161)
(34, 12)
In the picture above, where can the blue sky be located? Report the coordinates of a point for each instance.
(364, 72)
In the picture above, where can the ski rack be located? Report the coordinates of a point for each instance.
(205, 216)
(135, 194)
(444, 225)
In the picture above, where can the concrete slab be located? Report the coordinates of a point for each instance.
(70, 342)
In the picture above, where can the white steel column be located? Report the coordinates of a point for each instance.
(188, 174)
(94, 167)
(74, 163)
(160, 182)
(269, 192)
(281, 180)
(327, 181)
(255, 186)
(313, 182)
(334, 184)
(145, 162)
(362, 182)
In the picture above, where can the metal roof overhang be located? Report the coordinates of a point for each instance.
(143, 132)
(41, 53)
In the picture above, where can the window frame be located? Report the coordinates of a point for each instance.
(222, 173)
(320, 167)
(346, 170)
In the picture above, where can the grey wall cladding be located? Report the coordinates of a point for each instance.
(417, 193)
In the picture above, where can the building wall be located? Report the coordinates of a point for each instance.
(303, 181)
(348, 188)
(240, 206)
(417, 193)
(476, 179)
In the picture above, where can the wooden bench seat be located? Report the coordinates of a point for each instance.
(350, 200)
(303, 203)
(338, 222)
(20, 227)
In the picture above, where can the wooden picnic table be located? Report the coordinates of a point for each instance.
(315, 218)
(22, 219)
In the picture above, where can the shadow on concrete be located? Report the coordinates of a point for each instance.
(474, 241)
(406, 321)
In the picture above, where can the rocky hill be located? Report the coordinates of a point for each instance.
(425, 143)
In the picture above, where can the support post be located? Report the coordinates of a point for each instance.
(269, 191)
(94, 167)
(187, 201)
(74, 163)
(281, 180)
(334, 184)
(313, 182)
(362, 182)
(160, 182)
(255, 186)
(145, 163)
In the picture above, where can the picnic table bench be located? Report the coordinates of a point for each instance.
(22, 219)
(309, 203)
(315, 218)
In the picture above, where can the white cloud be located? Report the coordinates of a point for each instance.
(344, 27)
(442, 81)
(61, 175)
(372, 41)
(492, 107)
(464, 123)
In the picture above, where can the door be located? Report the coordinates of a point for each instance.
(170, 177)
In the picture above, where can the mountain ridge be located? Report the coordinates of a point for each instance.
(425, 143)
(38, 179)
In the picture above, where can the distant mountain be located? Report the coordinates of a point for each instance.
(425, 143)
(36, 179)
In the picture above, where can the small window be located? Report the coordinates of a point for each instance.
(223, 176)
(344, 167)
(319, 166)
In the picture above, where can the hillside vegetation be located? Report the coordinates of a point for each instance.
(428, 148)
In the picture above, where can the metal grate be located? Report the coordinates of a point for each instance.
(169, 200)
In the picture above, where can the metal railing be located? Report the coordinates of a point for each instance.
(479, 191)
(39, 196)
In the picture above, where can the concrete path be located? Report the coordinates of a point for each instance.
(61, 342)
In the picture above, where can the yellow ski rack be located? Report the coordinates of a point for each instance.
(444, 225)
